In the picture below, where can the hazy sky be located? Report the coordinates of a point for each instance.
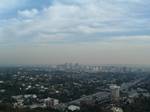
(84, 31)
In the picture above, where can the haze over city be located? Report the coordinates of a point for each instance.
(84, 31)
(74, 55)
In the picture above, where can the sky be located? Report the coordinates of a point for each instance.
(83, 31)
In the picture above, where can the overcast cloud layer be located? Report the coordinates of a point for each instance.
(97, 25)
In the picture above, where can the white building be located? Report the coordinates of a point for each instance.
(73, 108)
(55, 102)
(117, 109)
(51, 102)
(115, 92)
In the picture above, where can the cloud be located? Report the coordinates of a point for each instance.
(129, 40)
(78, 21)
(28, 13)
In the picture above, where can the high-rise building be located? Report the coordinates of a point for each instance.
(115, 92)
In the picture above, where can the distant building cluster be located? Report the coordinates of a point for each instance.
(96, 68)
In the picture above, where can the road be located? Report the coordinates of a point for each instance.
(101, 96)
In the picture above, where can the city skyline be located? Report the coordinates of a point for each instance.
(88, 32)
